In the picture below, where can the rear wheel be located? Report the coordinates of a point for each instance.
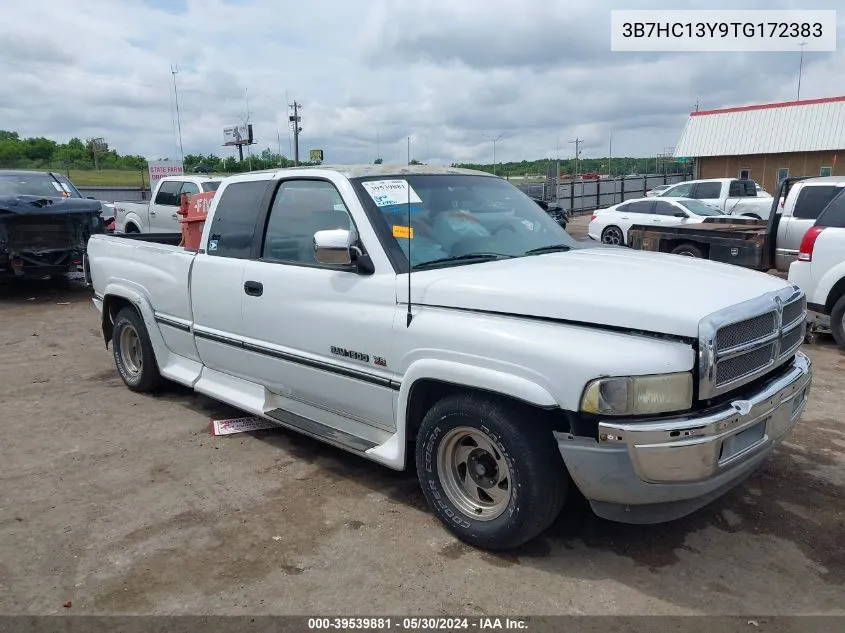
(688, 250)
(133, 352)
(131, 228)
(837, 322)
(493, 476)
(613, 236)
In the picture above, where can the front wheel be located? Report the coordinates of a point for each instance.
(492, 475)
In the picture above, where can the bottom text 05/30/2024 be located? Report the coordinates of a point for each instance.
(416, 624)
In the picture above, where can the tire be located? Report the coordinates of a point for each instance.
(131, 228)
(133, 352)
(520, 455)
(688, 250)
(837, 322)
(613, 236)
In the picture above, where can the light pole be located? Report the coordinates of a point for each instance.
(800, 69)
(494, 148)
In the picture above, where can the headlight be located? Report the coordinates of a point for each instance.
(638, 395)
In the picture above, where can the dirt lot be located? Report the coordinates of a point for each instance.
(123, 503)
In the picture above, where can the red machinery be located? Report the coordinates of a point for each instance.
(193, 211)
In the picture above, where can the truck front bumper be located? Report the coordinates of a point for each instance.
(656, 471)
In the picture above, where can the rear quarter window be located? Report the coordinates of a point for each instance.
(812, 199)
(833, 215)
(233, 228)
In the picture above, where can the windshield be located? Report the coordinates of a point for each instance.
(699, 208)
(454, 216)
(36, 184)
(210, 185)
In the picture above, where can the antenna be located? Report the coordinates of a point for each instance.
(173, 70)
(410, 235)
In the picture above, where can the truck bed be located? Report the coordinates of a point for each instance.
(159, 272)
(731, 240)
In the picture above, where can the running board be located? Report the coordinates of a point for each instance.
(320, 431)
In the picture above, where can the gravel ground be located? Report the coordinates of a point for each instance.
(123, 503)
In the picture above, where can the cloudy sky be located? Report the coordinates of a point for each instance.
(370, 73)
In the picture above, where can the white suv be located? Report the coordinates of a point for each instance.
(820, 268)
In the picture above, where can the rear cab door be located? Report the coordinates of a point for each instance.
(800, 211)
(712, 192)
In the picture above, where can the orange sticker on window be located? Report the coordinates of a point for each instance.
(406, 232)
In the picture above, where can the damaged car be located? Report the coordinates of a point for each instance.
(44, 225)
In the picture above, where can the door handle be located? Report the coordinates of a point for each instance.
(657, 220)
(254, 288)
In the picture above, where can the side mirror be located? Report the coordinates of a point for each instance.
(680, 214)
(334, 247)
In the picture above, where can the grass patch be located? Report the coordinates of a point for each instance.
(107, 178)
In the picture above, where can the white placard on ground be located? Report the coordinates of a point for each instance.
(240, 425)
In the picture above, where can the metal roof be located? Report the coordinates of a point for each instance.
(813, 125)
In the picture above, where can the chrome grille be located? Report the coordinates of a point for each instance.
(753, 329)
(736, 367)
(742, 343)
(794, 311)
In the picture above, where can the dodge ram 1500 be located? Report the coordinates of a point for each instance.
(439, 315)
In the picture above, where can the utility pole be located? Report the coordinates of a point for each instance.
(610, 156)
(495, 140)
(295, 119)
(800, 69)
(173, 70)
(577, 142)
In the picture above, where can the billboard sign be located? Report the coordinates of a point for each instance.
(237, 135)
(316, 156)
(161, 168)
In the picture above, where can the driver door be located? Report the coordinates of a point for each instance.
(317, 333)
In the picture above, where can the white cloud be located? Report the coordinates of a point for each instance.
(370, 74)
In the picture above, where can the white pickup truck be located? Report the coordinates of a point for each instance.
(485, 355)
(731, 196)
(160, 214)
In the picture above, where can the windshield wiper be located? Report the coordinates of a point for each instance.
(551, 248)
(457, 258)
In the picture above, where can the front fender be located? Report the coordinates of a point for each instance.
(392, 452)
(476, 377)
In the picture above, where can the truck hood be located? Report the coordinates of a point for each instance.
(36, 205)
(615, 287)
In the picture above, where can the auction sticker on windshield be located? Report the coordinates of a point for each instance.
(403, 232)
(387, 193)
